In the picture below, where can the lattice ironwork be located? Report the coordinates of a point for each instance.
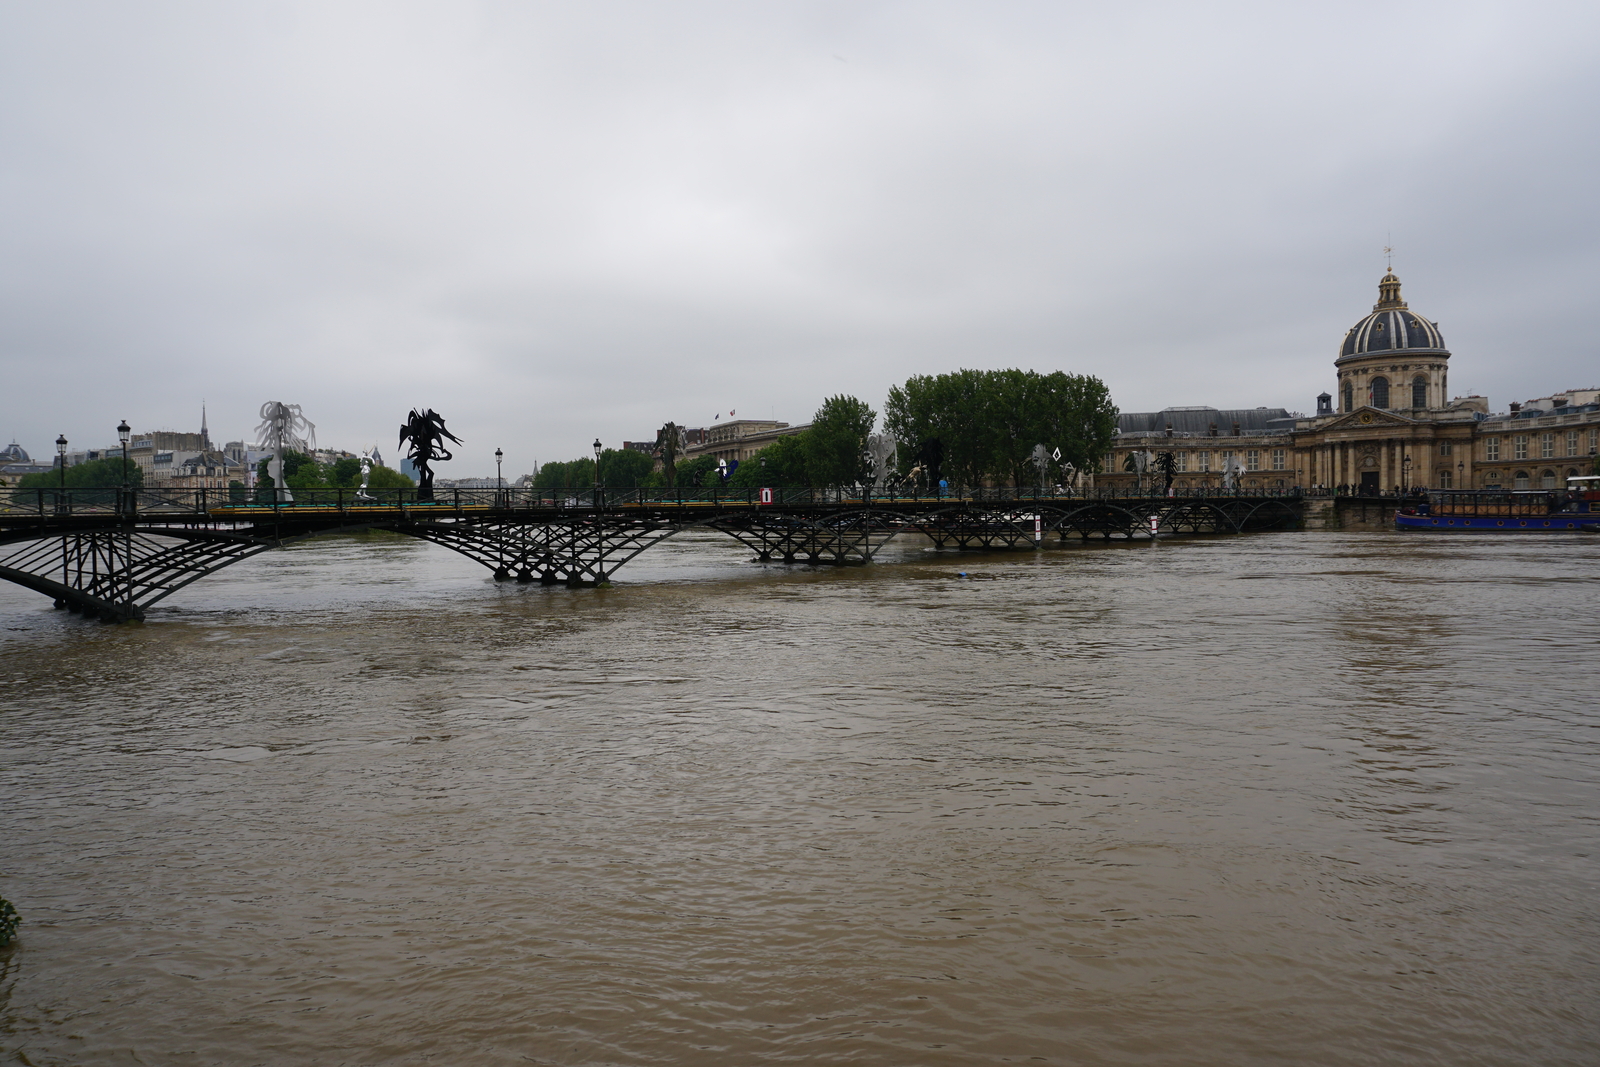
(840, 537)
(116, 573)
(112, 554)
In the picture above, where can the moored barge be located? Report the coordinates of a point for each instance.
(1496, 511)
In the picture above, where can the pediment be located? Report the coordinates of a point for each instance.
(1365, 418)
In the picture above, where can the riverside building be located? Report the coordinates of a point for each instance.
(1390, 425)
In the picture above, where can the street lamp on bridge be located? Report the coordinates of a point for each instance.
(499, 482)
(123, 431)
(597, 471)
(61, 458)
(1405, 474)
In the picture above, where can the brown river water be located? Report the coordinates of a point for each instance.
(1289, 798)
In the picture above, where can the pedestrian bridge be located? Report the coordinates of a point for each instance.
(112, 553)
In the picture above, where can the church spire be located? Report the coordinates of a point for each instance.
(205, 435)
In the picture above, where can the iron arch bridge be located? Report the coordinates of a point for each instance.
(113, 553)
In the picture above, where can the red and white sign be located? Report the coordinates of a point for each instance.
(766, 496)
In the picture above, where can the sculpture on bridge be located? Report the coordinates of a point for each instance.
(1136, 464)
(425, 430)
(283, 427)
(930, 460)
(669, 446)
(1167, 464)
(880, 455)
(1231, 469)
(1044, 462)
(366, 473)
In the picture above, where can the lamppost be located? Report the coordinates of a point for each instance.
(122, 435)
(597, 472)
(127, 506)
(1405, 474)
(1461, 474)
(61, 461)
(499, 482)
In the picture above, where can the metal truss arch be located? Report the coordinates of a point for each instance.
(114, 553)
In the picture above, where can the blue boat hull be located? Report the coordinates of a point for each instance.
(1556, 522)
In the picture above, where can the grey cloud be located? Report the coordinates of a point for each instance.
(553, 222)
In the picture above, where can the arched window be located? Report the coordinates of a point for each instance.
(1349, 396)
(1520, 480)
(1419, 392)
(1380, 392)
(1549, 478)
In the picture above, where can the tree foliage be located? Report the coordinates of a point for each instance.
(835, 445)
(989, 421)
(388, 478)
(301, 471)
(620, 468)
(95, 474)
(699, 473)
(785, 465)
(625, 468)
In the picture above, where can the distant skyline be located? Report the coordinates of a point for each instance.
(558, 222)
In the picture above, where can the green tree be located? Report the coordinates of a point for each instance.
(699, 473)
(785, 465)
(388, 478)
(300, 471)
(95, 474)
(990, 421)
(836, 442)
(345, 473)
(625, 468)
(573, 474)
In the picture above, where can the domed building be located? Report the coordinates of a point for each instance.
(1394, 358)
(1395, 427)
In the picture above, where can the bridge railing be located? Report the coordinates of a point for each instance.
(241, 502)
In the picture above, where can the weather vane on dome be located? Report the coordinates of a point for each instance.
(1388, 255)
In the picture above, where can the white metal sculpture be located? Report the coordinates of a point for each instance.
(284, 426)
(1044, 462)
(1231, 469)
(880, 457)
(366, 472)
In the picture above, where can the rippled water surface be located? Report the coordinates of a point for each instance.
(1284, 799)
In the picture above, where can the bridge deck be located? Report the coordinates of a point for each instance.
(114, 552)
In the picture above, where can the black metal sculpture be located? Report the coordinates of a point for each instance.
(425, 430)
(1167, 464)
(930, 457)
(669, 446)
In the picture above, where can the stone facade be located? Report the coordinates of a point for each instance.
(1393, 429)
(739, 439)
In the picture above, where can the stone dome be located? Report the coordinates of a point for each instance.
(14, 453)
(1392, 326)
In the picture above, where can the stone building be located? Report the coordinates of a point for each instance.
(1394, 428)
(739, 439)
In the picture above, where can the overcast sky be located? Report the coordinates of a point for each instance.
(561, 221)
